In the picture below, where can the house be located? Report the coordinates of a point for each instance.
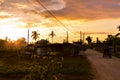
(65, 49)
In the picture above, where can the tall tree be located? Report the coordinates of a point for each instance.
(89, 40)
(118, 28)
(113, 41)
(52, 34)
(35, 35)
(110, 40)
(118, 32)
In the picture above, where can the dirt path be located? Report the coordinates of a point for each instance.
(106, 68)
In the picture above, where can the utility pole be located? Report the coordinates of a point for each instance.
(28, 37)
(83, 37)
(80, 35)
(67, 37)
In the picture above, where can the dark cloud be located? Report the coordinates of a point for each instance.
(49, 4)
(32, 11)
(21, 9)
(84, 9)
(29, 10)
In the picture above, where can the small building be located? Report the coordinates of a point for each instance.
(65, 49)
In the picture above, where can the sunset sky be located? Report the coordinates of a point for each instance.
(95, 18)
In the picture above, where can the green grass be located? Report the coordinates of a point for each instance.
(77, 66)
(13, 65)
(117, 54)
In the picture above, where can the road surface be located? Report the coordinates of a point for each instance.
(105, 68)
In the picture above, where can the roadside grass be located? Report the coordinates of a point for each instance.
(78, 65)
(16, 66)
(117, 54)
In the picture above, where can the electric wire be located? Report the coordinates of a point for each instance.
(54, 16)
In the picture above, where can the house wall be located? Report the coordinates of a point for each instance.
(64, 49)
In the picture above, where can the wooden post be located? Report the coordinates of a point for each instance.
(67, 37)
(28, 37)
(80, 35)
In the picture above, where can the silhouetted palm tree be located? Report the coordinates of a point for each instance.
(52, 34)
(35, 35)
(118, 32)
(118, 28)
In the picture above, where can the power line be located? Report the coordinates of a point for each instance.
(54, 16)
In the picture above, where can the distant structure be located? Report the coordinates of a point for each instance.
(65, 49)
(67, 37)
(28, 37)
(80, 35)
(83, 37)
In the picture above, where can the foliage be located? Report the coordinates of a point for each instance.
(40, 71)
(109, 40)
(118, 28)
(2, 44)
(7, 45)
(34, 67)
(12, 70)
(78, 42)
(20, 43)
(35, 35)
(52, 34)
(42, 42)
(73, 65)
(112, 40)
(89, 40)
(117, 54)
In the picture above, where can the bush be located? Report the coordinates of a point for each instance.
(38, 71)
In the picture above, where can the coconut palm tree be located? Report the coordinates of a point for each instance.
(118, 32)
(52, 34)
(118, 28)
(35, 35)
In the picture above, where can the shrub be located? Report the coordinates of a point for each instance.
(38, 71)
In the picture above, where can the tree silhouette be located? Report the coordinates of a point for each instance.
(35, 35)
(118, 32)
(118, 28)
(98, 42)
(78, 42)
(89, 40)
(42, 42)
(52, 34)
(20, 43)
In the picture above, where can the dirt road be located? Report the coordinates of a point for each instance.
(105, 68)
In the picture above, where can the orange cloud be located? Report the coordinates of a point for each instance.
(3, 17)
(84, 9)
(1, 1)
(31, 11)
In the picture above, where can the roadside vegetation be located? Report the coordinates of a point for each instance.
(19, 66)
(19, 61)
